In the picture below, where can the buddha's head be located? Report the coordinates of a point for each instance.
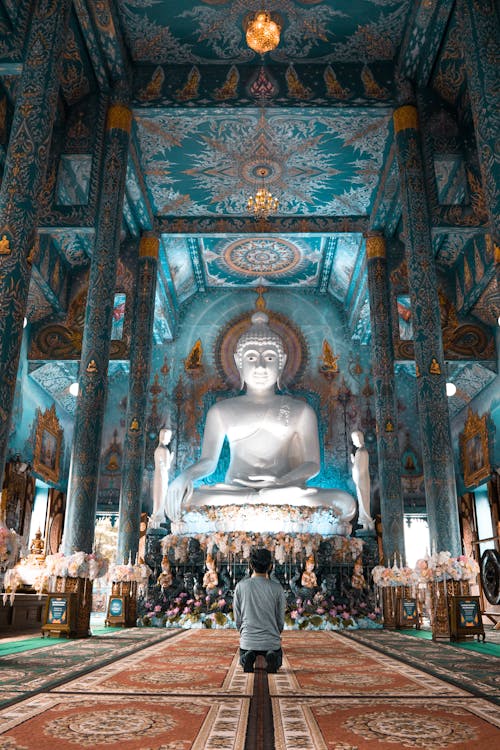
(358, 438)
(260, 354)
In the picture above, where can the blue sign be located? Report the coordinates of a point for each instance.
(58, 611)
(116, 606)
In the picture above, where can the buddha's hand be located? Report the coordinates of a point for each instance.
(179, 492)
(257, 481)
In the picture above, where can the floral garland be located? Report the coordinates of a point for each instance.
(283, 546)
(441, 566)
(78, 565)
(394, 576)
(10, 544)
(128, 573)
(319, 613)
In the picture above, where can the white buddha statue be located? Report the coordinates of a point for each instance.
(273, 441)
(361, 478)
(163, 460)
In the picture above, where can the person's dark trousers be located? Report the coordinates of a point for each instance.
(273, 659)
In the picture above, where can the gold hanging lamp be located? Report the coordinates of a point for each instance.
(262, 32)
(263, 202)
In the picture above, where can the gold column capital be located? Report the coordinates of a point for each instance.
(149, 246)
(405, 118)
(119, 117)
(375, 246)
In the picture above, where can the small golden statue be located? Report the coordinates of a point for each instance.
(193, 360)
(309, 580)
(434, 369)
(165, 579)
(328, 361)
(210, 579)
(358, 579)
(37, 547)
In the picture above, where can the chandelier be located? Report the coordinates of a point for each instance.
(262, 33)
(263, 202)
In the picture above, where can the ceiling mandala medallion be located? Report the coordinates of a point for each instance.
(262, 256)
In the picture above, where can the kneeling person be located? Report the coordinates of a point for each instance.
(259, 610)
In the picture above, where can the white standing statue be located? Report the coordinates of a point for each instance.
(163, 460)
(273, 441)
(361, 478)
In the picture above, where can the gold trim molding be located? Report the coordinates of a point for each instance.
(375, 246)
(405, 118)
(119, 117)
(148, 247)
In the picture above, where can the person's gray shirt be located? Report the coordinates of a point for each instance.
(259, 611)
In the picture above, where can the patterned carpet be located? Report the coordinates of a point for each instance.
(186, 690)
(476, 672)
(337, 694)
(26, 672)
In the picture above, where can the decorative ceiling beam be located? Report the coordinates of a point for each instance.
(457, 217)
(304, 85)
(15, 16)
(199, 273)
(248, 225)
(382, 217)
(166, 319)
(326, 267)
(422, 40)
(140, 195)
(105, 44)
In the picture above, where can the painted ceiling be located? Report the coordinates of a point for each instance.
(213, 121)
(213, 30)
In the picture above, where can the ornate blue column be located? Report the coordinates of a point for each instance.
(140, 366)
(23, 177)
(437, 452)
(386, 411)
(480, 26)
(83, 480)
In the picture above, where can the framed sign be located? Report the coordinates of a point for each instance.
(465, 617)
(474, 449)
(408, 613)
(48, 439)
(117, 607)
(60, 615)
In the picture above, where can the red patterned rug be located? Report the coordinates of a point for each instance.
(333, 694)
(189, 692)
(185, 692)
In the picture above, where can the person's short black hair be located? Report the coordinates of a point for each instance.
(260, 559)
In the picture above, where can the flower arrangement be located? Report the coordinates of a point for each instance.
(441, 566)
(395, 576)
(322, 612)
(190, 612)
(128, 573)
(284, 547)
(78, 565)
(10, 544)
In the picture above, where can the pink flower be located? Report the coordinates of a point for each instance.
(294, 614)
(157, 608)
(346, 615)
(320, 611)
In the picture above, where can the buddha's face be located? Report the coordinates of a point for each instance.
(165, 436)
(260, 367)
